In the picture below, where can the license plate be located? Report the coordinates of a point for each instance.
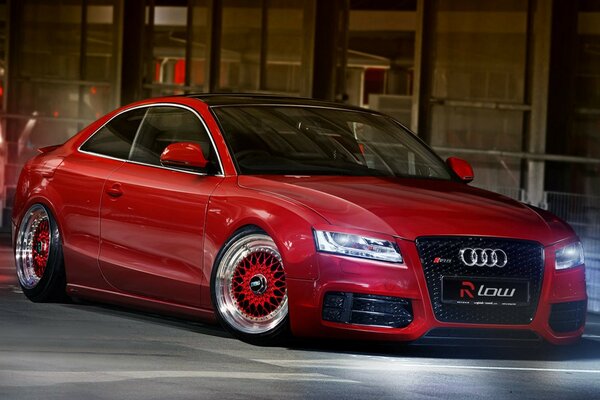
(485, 291)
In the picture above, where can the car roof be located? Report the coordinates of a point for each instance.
(242, 99)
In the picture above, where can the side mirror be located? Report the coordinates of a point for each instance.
(183, 155)
(461, 168)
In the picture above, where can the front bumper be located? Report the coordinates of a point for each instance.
(561, 291)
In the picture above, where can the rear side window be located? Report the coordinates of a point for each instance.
(116, 137)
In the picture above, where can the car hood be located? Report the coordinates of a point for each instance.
(410, 208)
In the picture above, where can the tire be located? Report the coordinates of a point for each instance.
(248, 288)
(39, 256)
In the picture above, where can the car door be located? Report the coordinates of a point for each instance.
(81, 178)
(152, 217)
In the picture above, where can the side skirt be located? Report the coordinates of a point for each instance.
(140, 303)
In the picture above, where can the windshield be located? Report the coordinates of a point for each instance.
(297, 140)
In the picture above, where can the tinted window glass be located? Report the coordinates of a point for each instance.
(318, 141)
(163, 126)
(116, 137)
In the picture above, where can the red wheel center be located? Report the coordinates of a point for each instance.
(40, 247)
(258, 284)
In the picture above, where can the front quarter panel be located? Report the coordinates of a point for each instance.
(290, 225)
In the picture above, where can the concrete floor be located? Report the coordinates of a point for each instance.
(89, 351)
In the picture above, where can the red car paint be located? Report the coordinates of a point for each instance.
(148, 237)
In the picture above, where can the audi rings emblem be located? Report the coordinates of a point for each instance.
(483, 257)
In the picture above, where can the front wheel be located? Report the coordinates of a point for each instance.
(38, 256)
(249, 290)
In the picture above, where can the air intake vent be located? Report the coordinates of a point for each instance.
(367, 309)
(568, 317)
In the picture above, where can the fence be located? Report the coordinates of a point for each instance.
(583, 214)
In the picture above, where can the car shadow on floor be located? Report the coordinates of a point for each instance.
(585, 349)
(110, 310)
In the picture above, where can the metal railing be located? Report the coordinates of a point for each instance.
(582, 212)
(519, 155)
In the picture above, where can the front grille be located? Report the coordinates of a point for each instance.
(367, 309)
(568, 317)
(525, 261)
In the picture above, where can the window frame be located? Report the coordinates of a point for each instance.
(105, 125)
(147, 106)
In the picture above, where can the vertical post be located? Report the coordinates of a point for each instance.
(12, 126)
(83, 41)
(342, 51)
(561, 99)
(540, 76)
(308, 48)
(416, 87)
(213, 52)
(82, 60)
(264, 45)
(117, 51)
(133, 50)
(327, 22)
(7, 49)
(11, 129)
(148, 62)
(424, 47)
(15, 27)
(189, 37)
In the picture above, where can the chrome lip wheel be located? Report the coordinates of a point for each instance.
(250, 287)
(33, 246)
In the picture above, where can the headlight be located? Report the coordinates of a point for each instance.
(357, 246)
(569, 256)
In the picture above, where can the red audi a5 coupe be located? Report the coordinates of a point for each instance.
(280, 216)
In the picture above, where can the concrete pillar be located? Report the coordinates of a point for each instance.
(539, 76)
(133, 51)
(561, 99)
(328, 21)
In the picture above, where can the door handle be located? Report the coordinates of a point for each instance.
(115, 190)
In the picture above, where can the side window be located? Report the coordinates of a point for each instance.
(116, 137)
(165, 125)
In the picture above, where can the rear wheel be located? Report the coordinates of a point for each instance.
(38, 256)
(249, 290)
